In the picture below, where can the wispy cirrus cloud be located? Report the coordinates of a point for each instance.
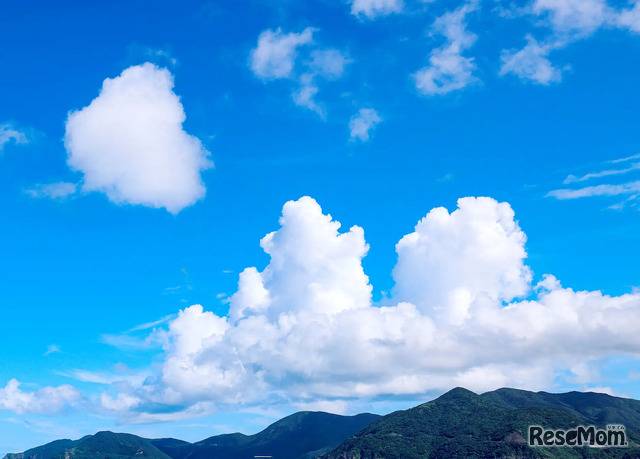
(600, 174)
(631, 189)
(57, 190)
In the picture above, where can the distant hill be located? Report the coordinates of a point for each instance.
(299, 436)
(101, 445)
(461, 424)
(303, 435)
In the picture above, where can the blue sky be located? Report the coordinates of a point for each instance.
(147, 148)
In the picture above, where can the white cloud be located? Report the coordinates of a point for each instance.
(479, 250)
(130, 144)
(630, 18)
(304, 329)
(623, 160)
(364, 121)
(597, 190)
(9, 134)
(531, 63)
(375, 8)
(599, 174)
(580, 17)
(275, 55)
(53, 349)
(304, 96)
(329, 63)
(58, 190)
(47, 400)
(448, 69)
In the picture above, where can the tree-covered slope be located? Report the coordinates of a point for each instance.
(463, 424)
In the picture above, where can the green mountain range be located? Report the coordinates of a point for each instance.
(460, 423)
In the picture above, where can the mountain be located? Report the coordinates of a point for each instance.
(302, 435)
(458, 424)
(461, 423)
(594, 408)
(101, 445)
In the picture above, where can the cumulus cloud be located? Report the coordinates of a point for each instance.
(364, 121)
(448, 69)
(275, 55)
(374, 8)
(47, 400)
(451, 258)
(580, 17)
(531, 63)
(463, 312)
(129, 143)
(9, 134)
(630, 18)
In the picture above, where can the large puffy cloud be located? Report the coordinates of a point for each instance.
(450, 259)
(305, 329)
(130, 144)
(47, 400)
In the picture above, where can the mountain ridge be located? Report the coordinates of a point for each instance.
(459, 423)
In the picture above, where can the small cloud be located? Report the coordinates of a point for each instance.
(53, 349)
(221, 295)
(623, 160)
(9, 134)
(362, 123)
(58, 190)
(531, 63)
(161, 56)
(605, 173)
(374, 8)
(155, 323)
(47, 400)
(304, 96)
(329, 63)
(275, 55)
(448, 69)
(598, 190)
(445, 178)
